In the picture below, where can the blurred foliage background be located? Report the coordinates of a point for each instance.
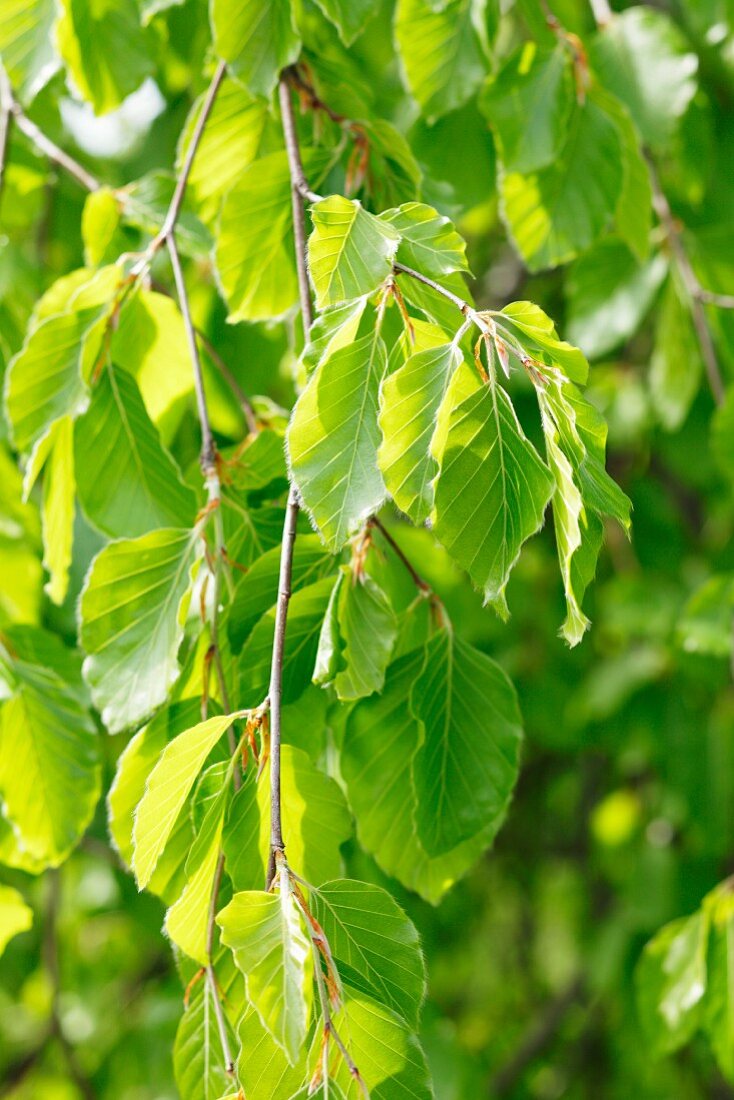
(623, 816)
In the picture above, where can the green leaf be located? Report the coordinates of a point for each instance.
(263, 1068)
(466, 768)
(429, 241)
(491, 492)
(643, 58)
(257, 38)
(257, 591)
(26, 45)
(198, 1062)
(706, 623)
(131, 622)
(388, 1055)
(559, 211)
(326, 665)
(128, 483)
(49, 747)
(348, 16)
(722, 434)
(254, 245)
(633, 214)
(333, 439)
(442, 50)
(316, 822)
(676, 365)
(54, 453)
(718, 1006)
(187, 921)
(306, 612)
(410, 398)
(333, 329)
(15, 915)
(671, 980)
(536, 334)
(145, 203)
(230, 143)
(609, 294)
(528, 104)
(271, 948)
(105, 50)
(44, 380)
(169, 785)
(350, 251)
(370, 936)
(381, 739)
(369, 628)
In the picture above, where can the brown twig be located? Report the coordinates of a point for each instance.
(418, 581)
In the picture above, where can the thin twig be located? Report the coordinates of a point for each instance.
(418, 581)
(697, 295)
(298, 187)
(13, 109)
(469, 312)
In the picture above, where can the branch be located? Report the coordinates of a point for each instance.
(697, 295)
(13, 109)
(298, 188)
(418, 581)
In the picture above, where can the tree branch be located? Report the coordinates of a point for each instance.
(13, 109)
(697, 295)
(298, 187)
(418, 581)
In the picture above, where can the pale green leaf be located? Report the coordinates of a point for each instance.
(272, 949)
(55, 453)
(326, 665)
(644, 59)
(633, 214)
(127, 482)
(257, 38)
(105, 50)
(536, 334)
(369, 628)
(333, 329)
(348, 16)
(198, 1063)
(187, 921)
(370, 936)
(491, 492)
(333, 439)
(263, 1068)
(168, 787)
(130, 622)
(676, 365)
(718, 1006)
(442, 51)
(350, 251)
(26, 45)
(49, 746)
(410, 398)
(15, 915)
(101, 217)
(429, 241)
(528, 104)
(466, 768)
(670, 982)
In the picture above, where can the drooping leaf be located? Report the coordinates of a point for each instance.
(54, 452)
(370, 936)
(130, 622)
(410, 398)
(442, 51)
(26, 45)
(369, 628)
(528, 104)
(128, 483)
(491, 493)
(466, 767)
(271, 948)
(15, 915)
(333, 439)
(49, 747)
(326, 665)
(257, 38)
(263, 1066)
(671, 981)
(105, 50)
(198, 1062)
(167, 789)
(537, 336)
(350, 251)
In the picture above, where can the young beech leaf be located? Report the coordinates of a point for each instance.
(466, 767)
(257, 38)
(370, 936)
(169, 785)
(537, 335)
(491, 493)
(54, 453)
(127, 482)
(49, 746)
(671, 981)
(428, 240)
(131, 624)
(333, 439)
(348, 16)
(329, 649)
(15, 915)
(382, 737)
(263, 1067)
(369, 628)
(410, 398)
(198, 1062)
(442, 50)
(350, 251)
(266, 935)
